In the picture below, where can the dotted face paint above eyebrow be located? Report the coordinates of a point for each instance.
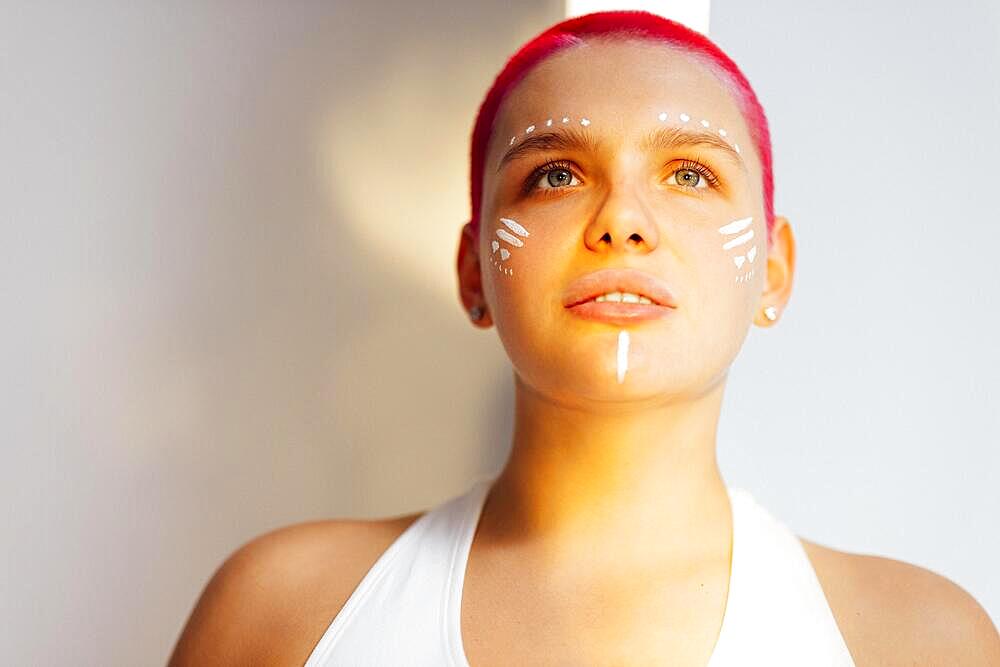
(663, 115)
(704, 123)
(548, 123)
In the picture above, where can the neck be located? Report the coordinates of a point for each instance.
(635, 485)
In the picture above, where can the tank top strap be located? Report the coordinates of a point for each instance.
(776, 611)
(407, 608)
(404, 598)
(465, 524)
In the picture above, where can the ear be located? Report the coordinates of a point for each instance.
(780, 271)
(470, 277)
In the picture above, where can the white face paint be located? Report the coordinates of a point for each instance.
(741, 238)
(704, 123)
(548, 123)
(512, 240)
(623, 341)
(514, 231)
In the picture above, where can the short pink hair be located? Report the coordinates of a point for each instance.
(625, 24)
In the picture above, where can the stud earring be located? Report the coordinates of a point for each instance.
(771, 313)
(476, 313)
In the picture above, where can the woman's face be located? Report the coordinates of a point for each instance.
(682, 209)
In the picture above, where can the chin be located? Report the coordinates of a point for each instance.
(592, 385)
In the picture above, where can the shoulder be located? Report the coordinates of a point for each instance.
(892, 612)
(289, 584)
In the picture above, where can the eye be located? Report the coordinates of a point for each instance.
(558, 177)
(687, 177)
(551, 176)
(693, 176)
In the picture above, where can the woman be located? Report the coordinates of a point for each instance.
(622, 241)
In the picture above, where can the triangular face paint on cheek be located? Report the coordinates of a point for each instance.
(739, 235)
(514, 240)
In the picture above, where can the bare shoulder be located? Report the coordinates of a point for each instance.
(272, 599)
(895, 613)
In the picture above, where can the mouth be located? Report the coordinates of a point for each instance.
(619, 296)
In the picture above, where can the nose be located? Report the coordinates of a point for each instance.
(623, 223)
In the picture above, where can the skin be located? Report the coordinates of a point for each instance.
(624, 473)
(606, 537)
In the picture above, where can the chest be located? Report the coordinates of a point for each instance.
(639, 620)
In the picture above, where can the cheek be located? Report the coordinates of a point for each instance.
(511, 251)
(519, 250)
(519, 256)
(523, 265)
(727, 264)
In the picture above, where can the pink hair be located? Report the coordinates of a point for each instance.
(626, 24)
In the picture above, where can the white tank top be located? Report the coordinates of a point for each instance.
(406, 610)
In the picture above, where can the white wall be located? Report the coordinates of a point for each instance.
(869, 418)
(211, 327)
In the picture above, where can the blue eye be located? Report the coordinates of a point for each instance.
(561, 177)
(551, 176)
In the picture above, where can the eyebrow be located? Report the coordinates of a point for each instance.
(660, 139)
(565, 139)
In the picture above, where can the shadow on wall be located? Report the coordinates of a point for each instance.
(342, 374)
(246, 312)
(345, 379)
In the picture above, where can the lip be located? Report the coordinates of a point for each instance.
(578, 294)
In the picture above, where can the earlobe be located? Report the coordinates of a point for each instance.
(780, 273)
(470, 280)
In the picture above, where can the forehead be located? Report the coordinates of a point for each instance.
(623, 83)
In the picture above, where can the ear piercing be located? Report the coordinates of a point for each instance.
(771, 313)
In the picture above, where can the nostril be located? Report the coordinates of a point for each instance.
(633, 239)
